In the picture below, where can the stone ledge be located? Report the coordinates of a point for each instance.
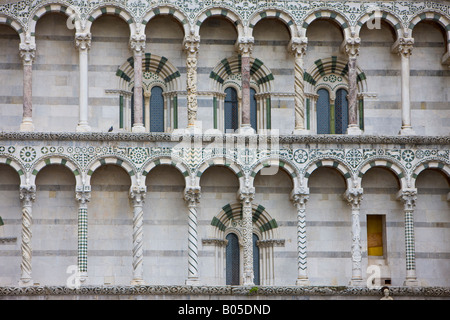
(168, 137)
(256, 291)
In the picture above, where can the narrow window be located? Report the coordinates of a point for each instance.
(253, 107)
(323, 112)
(256, 260)
(156, 110)
(231, 109)
(232, 260)
(341, 111)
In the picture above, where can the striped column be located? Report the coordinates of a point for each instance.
(409, 197)
(192, 197)
(83, 199)
(299, 198)
(27, 196)
(137, 196)
(354, 197)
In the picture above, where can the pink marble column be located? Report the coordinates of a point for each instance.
(245, 49)
(137, 44)
(27, 53)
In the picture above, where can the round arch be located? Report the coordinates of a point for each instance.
(169, 161)
(395, 168)
(218, 161)
(227, 13)
(429, 164)
(391, 18)
(123, 163)
(278, 14)
(16, 166)
(111, 10)
(276, 162)
(330, 163)
(14, 24)
(73, 21)
(170, 11)
(325, 13)
(58, 160)
(437, 17)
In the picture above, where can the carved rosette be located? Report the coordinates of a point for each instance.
(246, 196)
(27, 196)
(192, 197)
(137, 196)
(191, 46)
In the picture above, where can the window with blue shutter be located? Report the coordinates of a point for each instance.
(232, 260)
(231, 109)
(156, 110)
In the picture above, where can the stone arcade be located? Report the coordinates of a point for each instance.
(271, 148)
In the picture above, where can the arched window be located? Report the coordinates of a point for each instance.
(341, 111)
(232, 260)
(231, 114)
(156, 110)
(323, 111)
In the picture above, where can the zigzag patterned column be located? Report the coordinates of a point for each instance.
(83, 199)
(354, 197)
(409, 198)
(246, 195)
(299, 198)
(27, 196)
(192, 196)
(137, 196)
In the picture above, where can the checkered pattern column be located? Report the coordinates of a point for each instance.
(83, 199)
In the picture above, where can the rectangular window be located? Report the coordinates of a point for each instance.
(375, 235)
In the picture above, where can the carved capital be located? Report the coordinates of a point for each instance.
(137, 43)
(351, 47)
(409, 197)
(354, 196)
(245, 45)
(83, 197)
(298, 46)
(403, 47)
(83, 41)
(137, 195)
(192, 196)
(191, 44)
(27, 52)
(300, 196)
(27, 194)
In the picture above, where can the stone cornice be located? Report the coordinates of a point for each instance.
(262, 291)
(168, 137)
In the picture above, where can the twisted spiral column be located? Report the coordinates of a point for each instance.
(192, 196)
(27, 196)
(137, 196)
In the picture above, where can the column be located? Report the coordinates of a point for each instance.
(409, 197)
(299, 198)
(83, 199)
(191, 45)
(137, 196)
(246, 195)
(245, 46)
(137, 45)
(352, 50)
(404, 47)
(354, 197)
(27, 53)
(298, 49)
(27, 196)
(192, 197)
(83, 44)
